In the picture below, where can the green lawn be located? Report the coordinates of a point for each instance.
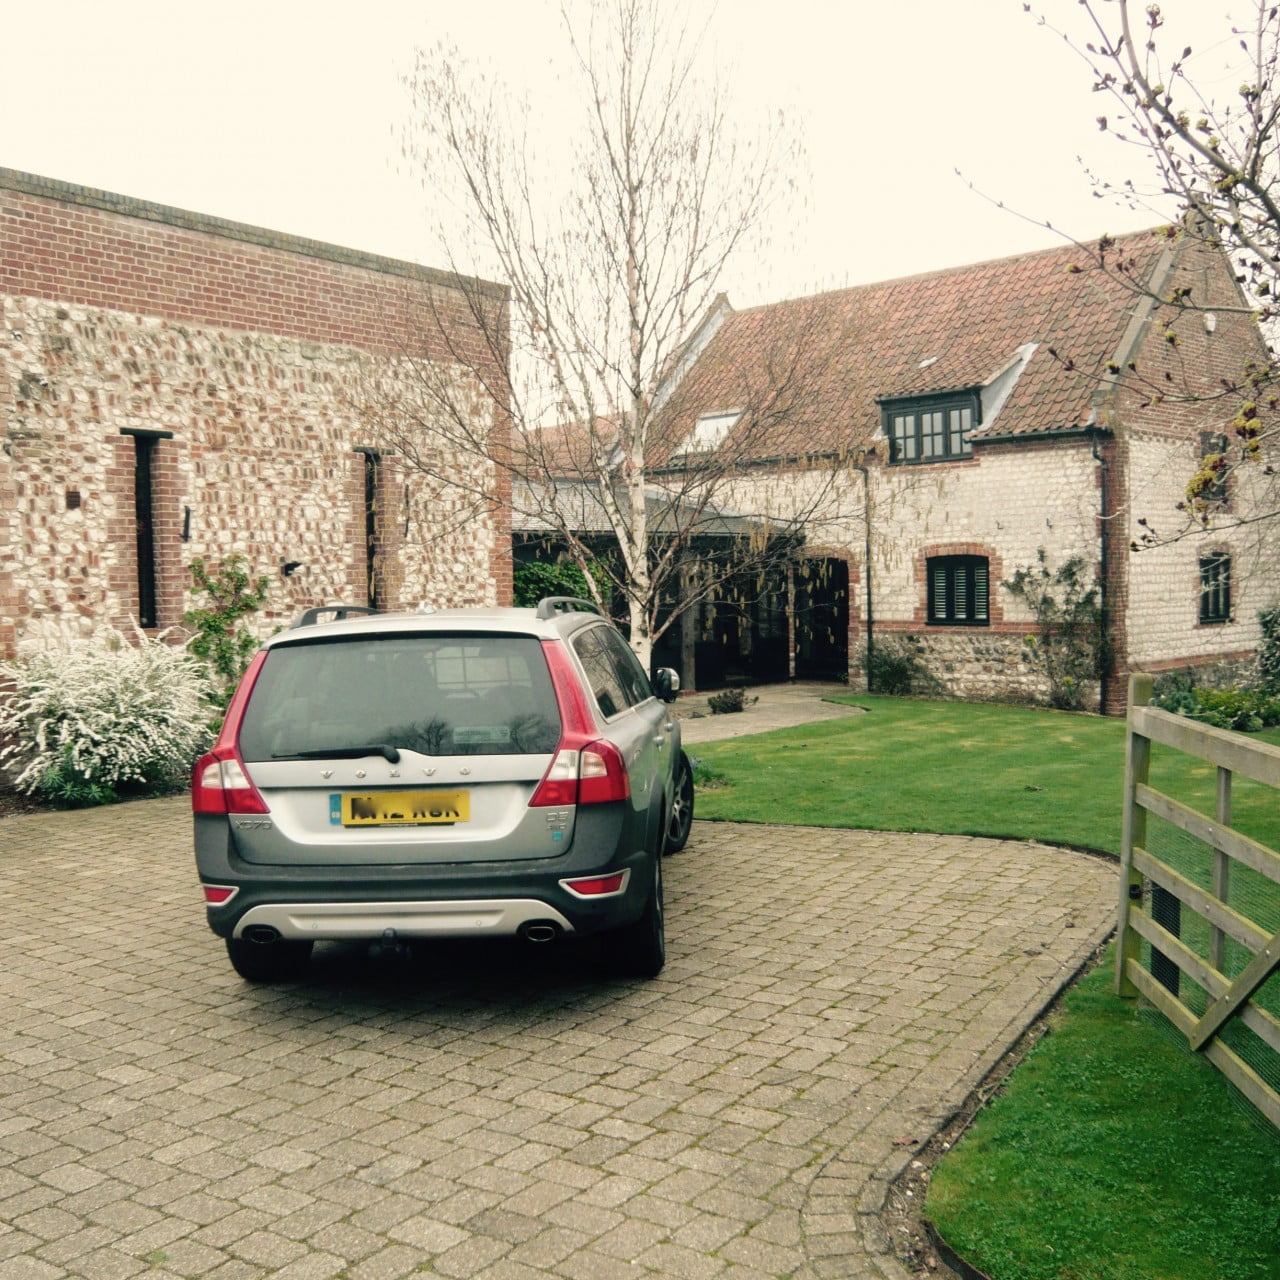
(971, 769)
(1112, 1153)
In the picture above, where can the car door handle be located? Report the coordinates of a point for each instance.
(660, 740)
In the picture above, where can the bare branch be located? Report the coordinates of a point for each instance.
(612, 239)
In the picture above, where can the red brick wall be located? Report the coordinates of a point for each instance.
(95, 249)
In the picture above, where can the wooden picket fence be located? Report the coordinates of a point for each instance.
(1205, 972)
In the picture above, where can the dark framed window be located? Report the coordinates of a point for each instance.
(144, 515)
(930, 430)
(372, 467)
(959, 591)
(1215, 587)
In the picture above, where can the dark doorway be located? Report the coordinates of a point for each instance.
(822, 619)
(743, 632)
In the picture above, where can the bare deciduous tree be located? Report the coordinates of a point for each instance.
(613, 238)
(1216, 153)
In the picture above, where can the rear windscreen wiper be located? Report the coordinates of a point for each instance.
(388, 753)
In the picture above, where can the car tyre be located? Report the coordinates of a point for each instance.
(284, 961)
(680, 818)
(639, 950)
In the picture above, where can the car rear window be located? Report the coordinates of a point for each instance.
(441, 696)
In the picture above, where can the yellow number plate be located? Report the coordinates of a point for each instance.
(405, 808)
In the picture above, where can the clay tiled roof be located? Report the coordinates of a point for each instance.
(562, 450)
(810, 372)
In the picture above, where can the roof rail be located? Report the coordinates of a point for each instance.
(331, 613)
(549, 606)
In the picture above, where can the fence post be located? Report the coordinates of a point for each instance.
(1166, 908)
(1221, 871)
(1137, 766)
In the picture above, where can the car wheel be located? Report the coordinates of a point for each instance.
(639, 950)
(680, 819)
(284, 961)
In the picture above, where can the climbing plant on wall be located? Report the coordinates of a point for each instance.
(1069, 644)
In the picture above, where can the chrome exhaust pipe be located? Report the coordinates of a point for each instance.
(262, 934)
(540, 931)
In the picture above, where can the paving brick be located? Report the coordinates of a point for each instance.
(735, 1118)
(473, 1257)
(25, 1267)
(550, 1246)
(391, 1263)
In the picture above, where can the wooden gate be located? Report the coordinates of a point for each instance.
(1208, 973)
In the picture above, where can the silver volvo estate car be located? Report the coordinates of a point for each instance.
(460, 773)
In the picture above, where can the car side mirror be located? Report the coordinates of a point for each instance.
(666, 684)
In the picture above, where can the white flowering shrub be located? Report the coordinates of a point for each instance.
(84, 724)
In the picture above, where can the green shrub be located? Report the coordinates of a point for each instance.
(894, 667)
(728, 701)
(64, 786)
(1246, 710)
(538, 579)
(1241, 710)
(92, 723)
(220, 641)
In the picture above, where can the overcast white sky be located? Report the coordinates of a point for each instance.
(287, 115)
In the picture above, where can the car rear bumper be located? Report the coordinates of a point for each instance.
(330, 921)
(457, 900)
(441, 899)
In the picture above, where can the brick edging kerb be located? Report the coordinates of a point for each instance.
(128, 207)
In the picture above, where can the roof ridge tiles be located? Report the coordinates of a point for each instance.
(941, 273)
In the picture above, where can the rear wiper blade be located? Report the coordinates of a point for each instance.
(385, 750)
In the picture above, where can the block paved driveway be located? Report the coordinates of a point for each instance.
(830, 998)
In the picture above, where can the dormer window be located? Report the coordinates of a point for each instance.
(930, 428)
(710, 432)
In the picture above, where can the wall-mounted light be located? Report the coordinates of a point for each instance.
(290, 567)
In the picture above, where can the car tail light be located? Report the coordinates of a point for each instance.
(218, 895)
(602, 775)
(575, 715)
(219, 783)
(559, 784)
(584, 769)
(593, 775)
